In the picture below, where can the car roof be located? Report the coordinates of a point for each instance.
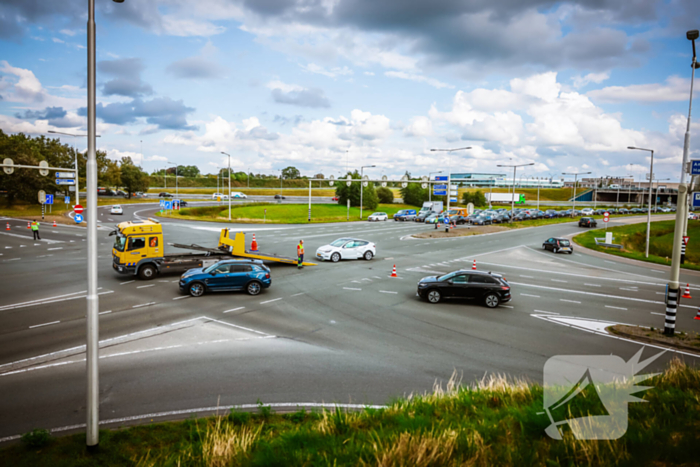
(248, 261)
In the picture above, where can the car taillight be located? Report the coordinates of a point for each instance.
(505, 288)
(267, 275)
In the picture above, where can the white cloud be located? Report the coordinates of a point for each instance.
(58, 41)
(116, 155)
(369, 73)
(581, 81)
(21, 85)
(69, 32)
(332, 73)
(675, 89)
(155, 158)
(284, 87)
(419, 126)
(418, 78)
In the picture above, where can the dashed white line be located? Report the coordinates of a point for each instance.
(592, 285)
(633, 290)
(659, 314)
(180, 298)
(570, 301)
(505, 306)
(104, 312)
(57, 248)
(13, 259)
(528, 295)
(297, 294)
(558, 280)
(387, 291)
(616, 307)
(127, 282)
(144, 286)
(143, 304)
(45, 324)
(234, 309)
(270, 301)
(351, 288)
(529, 277)
(549, 312)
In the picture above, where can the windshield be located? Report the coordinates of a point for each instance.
(564, 242)
(339, 242)
(119, 242)
(446, 277)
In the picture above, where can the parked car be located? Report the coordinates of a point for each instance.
(587, 211)
(483, 219)
(558, 245)
(422, 215)
(116, 209)
(587, 222)
(347, 248)
(378, 216)
(233, 274)
(279, 197)
(623, 211)
(164, 195)
(485, 287)
(432, 218)
(405, 214)
(141, 194)
(550, 214)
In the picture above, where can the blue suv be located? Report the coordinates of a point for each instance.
(235, 274)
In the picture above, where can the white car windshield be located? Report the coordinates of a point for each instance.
(340, 242)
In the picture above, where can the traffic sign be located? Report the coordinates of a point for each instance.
(685, 240)
(44, 168)
(606, 219)
(439, 192)
(453, 200)
(42, 196)
(49, 199)
(440, 178)
(78, 209)
(440, 187)
(168, 205)
(65, 181)
(695, 167)
(65, 175)
(66, 199)
(78, 218)
(696, 199)
(8, 170)
(470, 209)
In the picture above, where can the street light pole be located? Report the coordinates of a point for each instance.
(229, 184)
(512, 197)
(449, 171)
(361, 187)
(575, 174)
(77, 173)
(651, 183)
(430, 188)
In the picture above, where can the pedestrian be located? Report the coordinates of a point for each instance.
(300, 254)
(35, 230)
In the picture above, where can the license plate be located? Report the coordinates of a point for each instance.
(565, 249)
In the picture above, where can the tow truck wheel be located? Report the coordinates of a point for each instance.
(197, 289)
(147, 272)
(254, 288)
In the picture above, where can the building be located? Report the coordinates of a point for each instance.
(501, 181)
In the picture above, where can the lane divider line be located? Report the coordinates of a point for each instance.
(616, 307)
(387, 291)
(180, 298)
(234, 309)
(270, 301)
(144, 286)
(143, 304)
(45, 324)
(351, 288)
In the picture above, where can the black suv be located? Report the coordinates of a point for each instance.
(486, 287)
(587, 222)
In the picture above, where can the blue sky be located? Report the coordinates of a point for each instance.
(566, 85)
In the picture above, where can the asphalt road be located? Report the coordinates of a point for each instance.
(332, 333)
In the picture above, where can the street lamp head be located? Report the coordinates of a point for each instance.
(631, 147)
(118, 1)
(692, 34)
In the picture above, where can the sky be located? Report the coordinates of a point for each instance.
(330, 85)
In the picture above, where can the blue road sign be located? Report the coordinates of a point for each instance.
(49, 199)
(696, 199)
(439, 178)
(440, 187)
(168, 205)
(695, 167)
(453, 200)
(439, 192)
(66, 200)
(162, 203)
(78, 218)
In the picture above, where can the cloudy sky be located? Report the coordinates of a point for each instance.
(325, 84)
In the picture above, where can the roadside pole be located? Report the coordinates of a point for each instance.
(348, 209)
(309, 200)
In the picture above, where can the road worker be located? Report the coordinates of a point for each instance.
(35, 230)
(300, 254)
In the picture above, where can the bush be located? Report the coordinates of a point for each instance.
(352, 192)
(414, 195)
(477, 198)
(36, 439)
(385, 195)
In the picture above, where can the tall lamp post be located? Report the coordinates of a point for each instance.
(651, 183)
(93, 304)
(77, 173)
(430, 188)
(361, 187)
(575, 174)
(656, 191)
(229, 183)
(449, 170)
(512, 199)
(176, 190)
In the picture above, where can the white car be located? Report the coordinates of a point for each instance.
(116, 209)
(347, 248)
(587, 211)
(215, 196)
(238, 194)
(692, 216)
(378, 216)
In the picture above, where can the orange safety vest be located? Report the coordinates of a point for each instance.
(300, 249)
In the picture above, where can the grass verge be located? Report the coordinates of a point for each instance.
(280, 213)
(681, 340)
(493, 422)
(633, 239)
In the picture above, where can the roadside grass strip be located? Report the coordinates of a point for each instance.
(454, 424)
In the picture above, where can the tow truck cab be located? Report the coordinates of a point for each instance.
(136, 244)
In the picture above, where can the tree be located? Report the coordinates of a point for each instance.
(133, 178)
(187, 171)
(385, 195)
(477, 198)
(414, 195)
(352, 192)
(291, 173)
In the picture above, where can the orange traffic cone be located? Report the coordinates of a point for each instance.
(686, 294)
(474, 266)
(29, 225)
(698, 315)
(54, 223)
(393, 272)
(8, 226)
(254, 244)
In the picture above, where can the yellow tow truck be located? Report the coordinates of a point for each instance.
(139, 250)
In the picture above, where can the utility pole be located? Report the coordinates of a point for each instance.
(449, 171)
(362, 188)
(77, 171)
(575, 174)
(651, 183)
(512, 197)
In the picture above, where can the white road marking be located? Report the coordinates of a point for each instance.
(549, 312)
(592, 285)
(387, 291)
(529, 277)
(633, 290)
(611, 262)
(144, 286)
(180, 298)
(58, 248)
(234, 309)
(104, 312)
(127, 282)
(528, 295)
(297, 294)
(13, 259)
(659, 314)
(350, 288)
(22, 246)
(570, 301)
(616, 307)
(45, 324)
(270, 301)
(557, 280)
(143, 304)
(505, 306)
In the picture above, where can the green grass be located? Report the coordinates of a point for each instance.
(493, 422)
(633, 239)
(281, 213)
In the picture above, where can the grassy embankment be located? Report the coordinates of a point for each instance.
(26, 210)
(280, 213)
(633, 239)
(494, 422)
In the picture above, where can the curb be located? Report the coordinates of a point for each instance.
(649, 340)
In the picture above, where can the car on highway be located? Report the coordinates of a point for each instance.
(347, 248)
(378, 216)
(485, 287)
(692, 216)
(165, 195)
(405, 214)
(250, 275)
(216, 196)
(587, 222)
(558, 245)
(279, 197)
(116, 209)
(238, 194)
(183, 203)
(141, 194)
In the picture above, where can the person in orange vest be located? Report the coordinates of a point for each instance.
(300, 254)
(35, 230)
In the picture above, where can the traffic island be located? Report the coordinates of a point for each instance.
(686, 341)
(461, 231)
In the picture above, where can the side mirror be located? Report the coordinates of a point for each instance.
(450, 281)
(213, 273)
